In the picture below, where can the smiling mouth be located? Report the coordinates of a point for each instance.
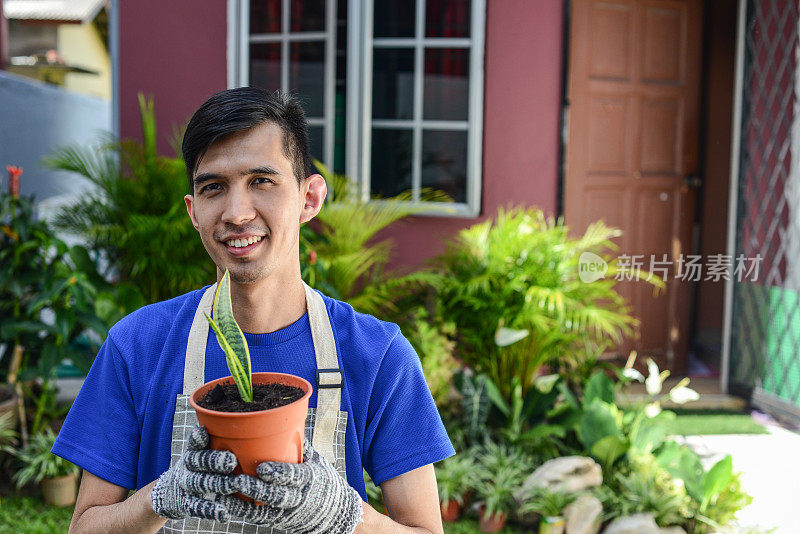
(243, 243)
(242, 247)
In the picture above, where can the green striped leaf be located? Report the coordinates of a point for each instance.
(231, 339)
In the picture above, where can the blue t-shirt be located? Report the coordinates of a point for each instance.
(120, 426)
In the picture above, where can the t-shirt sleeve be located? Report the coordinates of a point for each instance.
(101, 431)
(404, 430)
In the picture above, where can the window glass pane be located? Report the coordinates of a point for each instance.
(391, 161)
(444, 162)
(394, 18)
(307, 75)
(316, 139)
(447, 18)
(308, 16)
(265, 66)
(446, 85)
(265, 16)
(393, 83)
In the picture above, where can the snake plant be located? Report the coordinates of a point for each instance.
(231, 339)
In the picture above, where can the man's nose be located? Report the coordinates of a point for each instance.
(238, 207)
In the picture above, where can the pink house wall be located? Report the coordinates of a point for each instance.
(176, 51)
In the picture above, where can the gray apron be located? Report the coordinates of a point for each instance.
(325, 425)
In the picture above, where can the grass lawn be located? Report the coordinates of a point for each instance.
(30, 515)
(705, 422)
(470, 526)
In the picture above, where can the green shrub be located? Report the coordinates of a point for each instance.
(38, 462)
(39, 276)
(519, 272)
(135, 216)
(644, 486)
(455, 476)
(547, 503)
(348, 264)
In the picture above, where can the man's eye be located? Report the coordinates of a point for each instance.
(210, 187)
(262, 180)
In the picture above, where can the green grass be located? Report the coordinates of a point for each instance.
(30, 515)
(706, 422)
(470, 526)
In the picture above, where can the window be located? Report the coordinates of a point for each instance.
(393, 88)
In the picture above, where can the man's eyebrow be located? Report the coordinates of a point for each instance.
(206, 176)
(264, 169)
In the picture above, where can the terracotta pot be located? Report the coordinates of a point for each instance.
(450, 510)
(552, 525)
(254, 437)
(60, 491)
(493, 523)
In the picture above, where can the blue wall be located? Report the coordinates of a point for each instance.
(36, 118)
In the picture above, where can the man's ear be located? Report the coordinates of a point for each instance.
(189, 199)
(314, 191)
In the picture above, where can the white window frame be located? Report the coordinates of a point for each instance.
(358, 127)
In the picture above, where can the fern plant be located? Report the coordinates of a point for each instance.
(38, 462)
(455, 476)
(355, 266)
(341, 258)
(135, 214)
(547, 503)
(511, 286)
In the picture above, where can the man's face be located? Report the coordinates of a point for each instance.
(247, 206)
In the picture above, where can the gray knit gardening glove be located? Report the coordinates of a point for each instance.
(200, 474)
(306, 498)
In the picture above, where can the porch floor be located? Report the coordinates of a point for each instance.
(711, 396)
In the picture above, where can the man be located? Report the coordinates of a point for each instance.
(251, 184)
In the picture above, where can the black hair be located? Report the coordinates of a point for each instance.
(243, 108)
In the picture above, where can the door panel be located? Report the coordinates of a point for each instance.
(634, 81)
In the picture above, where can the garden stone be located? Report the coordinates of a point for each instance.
(583, 515)
(568, 474)
(633, 524)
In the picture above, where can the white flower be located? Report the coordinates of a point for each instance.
(654, 380)
(633, 374)
(681, 394)
(652, 409)
(545, 383)
(508, 336)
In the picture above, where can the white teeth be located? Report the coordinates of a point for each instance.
(238, 243)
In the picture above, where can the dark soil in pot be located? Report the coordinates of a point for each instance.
(226, 398)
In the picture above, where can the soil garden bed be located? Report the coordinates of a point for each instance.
(226, 398)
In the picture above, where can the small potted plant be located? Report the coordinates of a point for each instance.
(550, 505)
(497, 490)
(56, 476)
(454, 477)
(257, 416)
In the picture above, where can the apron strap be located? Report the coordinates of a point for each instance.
(330, 377)
(194, 368)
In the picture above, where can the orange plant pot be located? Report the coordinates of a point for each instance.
(268, 435)
(492, 523)
(450, 510)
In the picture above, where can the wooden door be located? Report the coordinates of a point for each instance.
(632, 149)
